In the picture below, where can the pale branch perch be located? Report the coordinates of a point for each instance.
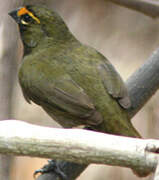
(148, 7)
(81, 146)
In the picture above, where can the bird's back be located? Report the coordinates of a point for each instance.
(82, 65)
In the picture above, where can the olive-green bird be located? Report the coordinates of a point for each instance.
(72, 82)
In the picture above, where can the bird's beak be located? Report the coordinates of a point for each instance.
(14, 15)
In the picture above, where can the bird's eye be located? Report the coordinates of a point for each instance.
(25, 19)
(27, 16)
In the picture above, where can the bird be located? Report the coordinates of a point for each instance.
(73, 82)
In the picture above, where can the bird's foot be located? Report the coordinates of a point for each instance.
(53, 167)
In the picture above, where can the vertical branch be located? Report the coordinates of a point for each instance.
(144, 83)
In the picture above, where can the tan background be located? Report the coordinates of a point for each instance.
(125, 37)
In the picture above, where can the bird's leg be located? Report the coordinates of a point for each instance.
(52, 166)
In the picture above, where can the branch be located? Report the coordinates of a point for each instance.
(81, 146)
(147, 7)
(143, 83)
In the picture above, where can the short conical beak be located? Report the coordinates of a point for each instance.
(14, 15)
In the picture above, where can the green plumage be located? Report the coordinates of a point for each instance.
(72, 82)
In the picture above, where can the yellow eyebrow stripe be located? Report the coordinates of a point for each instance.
(24, 10)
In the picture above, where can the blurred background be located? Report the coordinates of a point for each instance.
(127, 38)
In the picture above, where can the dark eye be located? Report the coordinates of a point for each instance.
(27, 18)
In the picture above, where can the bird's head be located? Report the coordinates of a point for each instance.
(38, 23)
(25, 16)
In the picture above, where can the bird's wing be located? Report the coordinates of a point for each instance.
(63, 94)
(114, 84)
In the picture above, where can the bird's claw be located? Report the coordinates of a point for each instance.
(52, 166)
